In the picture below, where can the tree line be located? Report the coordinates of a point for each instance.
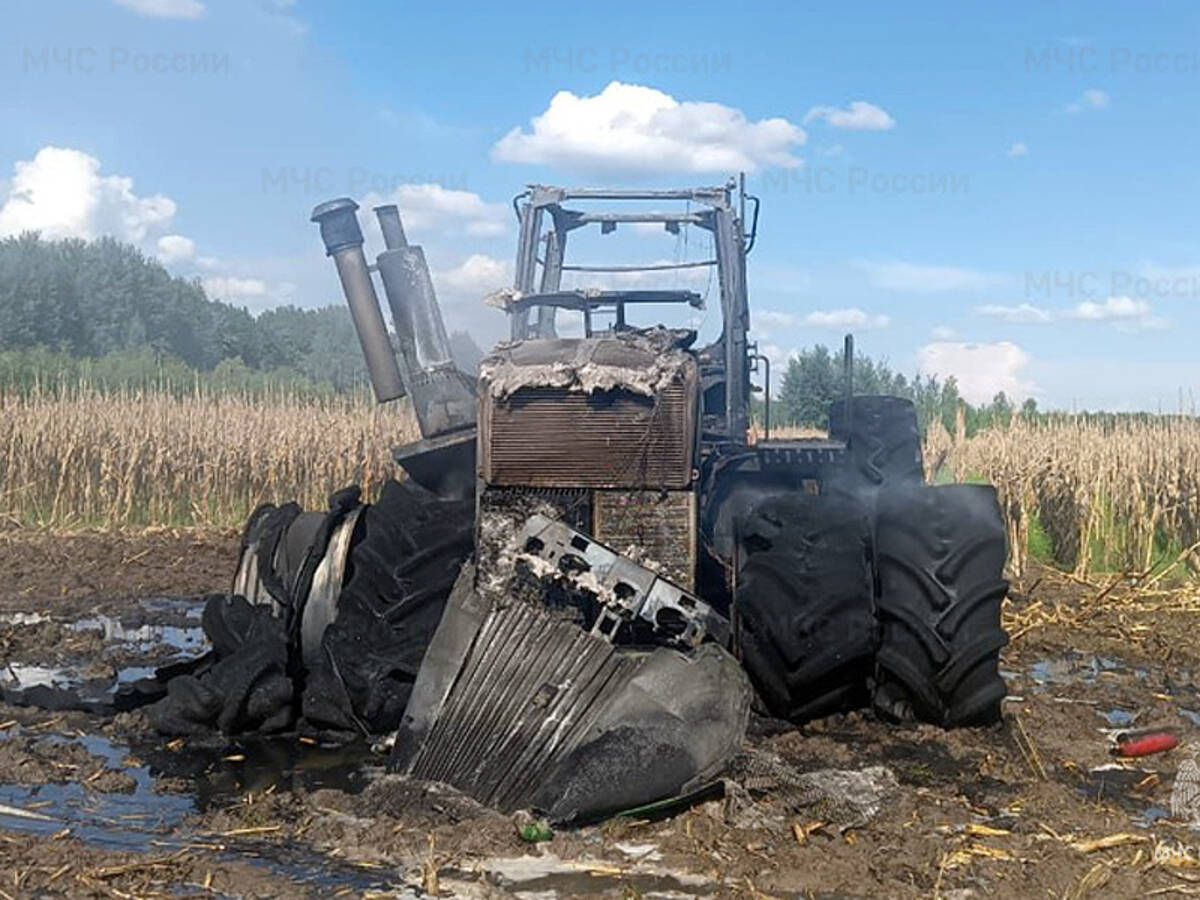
(102, 312)
(815, 377)
(108, 312)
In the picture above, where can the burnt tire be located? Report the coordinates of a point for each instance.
(883, 438)
(940, 560)
(805, 625)
(409, 547)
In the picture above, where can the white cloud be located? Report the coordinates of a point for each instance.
(61, 193)
(233, 289)
(472, 278)
(165, 9)
(1018, 149)
(944, 333)
(919, 279)
(764, 319)
(1023, 313)
(779, 357)
(1124, 311)
(981, 370)
(859, 116)
(175, 248)
(1090, 99)
(431, 208)
(844, 318)
(638, 130)
(767, 319)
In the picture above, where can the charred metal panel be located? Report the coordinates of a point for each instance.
(503, 512)
(522, 709)
(661, 525)
(623, 590)
(531, 688)
(551, 437)
(614, 411)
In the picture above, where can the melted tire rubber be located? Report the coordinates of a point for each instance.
(941, 552)
(408, 550)
(804, 612)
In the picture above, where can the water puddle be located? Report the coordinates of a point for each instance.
(146, 818)
(1073, 667)
(1135, 790)
(550, 876)
(124, 820)
(1117, 717)
(219, 772)
(184, 640)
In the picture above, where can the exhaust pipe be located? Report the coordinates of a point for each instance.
(443, 398)
(410, 293)
(343, 240)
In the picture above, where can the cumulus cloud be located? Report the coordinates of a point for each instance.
(165, 9)
(1022, 313)
(844, 318)
(636, 130)
(175, 248)
(919, 279)
(981, 370)
(432, 208)
(819, 318)
(61, 193)
(858, 116)
(1018, 149)
(944, 333)
(1089, 99)
(472, 278)
(1125, 312)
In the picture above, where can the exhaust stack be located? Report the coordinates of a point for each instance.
(344, 242)
(443, 398)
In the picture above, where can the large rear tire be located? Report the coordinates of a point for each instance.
(883, 439)
(804, 620)
(408, 552)
(940, 559)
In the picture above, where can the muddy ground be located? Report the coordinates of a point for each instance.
(96, 805)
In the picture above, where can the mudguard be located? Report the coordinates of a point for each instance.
(521, 708)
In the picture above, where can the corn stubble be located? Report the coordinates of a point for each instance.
(1107, 495)
(1101, 495)
(83, 458)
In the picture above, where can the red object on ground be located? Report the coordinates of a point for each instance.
(1146, 743)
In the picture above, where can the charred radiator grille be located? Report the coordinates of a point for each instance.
(660, 524)
(545, 436)
(526, 695)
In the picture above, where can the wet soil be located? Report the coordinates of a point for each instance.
(97, 805)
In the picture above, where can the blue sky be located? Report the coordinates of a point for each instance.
(1007, 195)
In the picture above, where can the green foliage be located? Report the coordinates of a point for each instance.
(103, 310)
(39, 371)
(815, 378)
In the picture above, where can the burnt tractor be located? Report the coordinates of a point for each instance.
(591, 568)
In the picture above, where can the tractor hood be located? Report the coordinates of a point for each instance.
(642, 362)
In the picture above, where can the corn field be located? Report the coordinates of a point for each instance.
(82, 458)
(1088, 495)
(1110, 495)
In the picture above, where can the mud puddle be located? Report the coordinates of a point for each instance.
(126, 819)
(82, 663)
(155, 799)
